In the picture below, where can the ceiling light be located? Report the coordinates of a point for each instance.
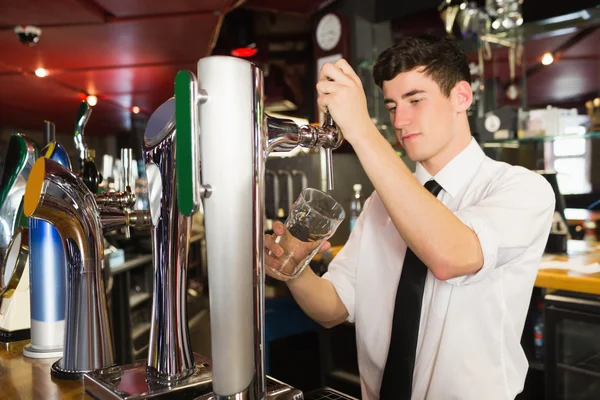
(135, 109)
(547, 59)
(41, 72)
(92, 100)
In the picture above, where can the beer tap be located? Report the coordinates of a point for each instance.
(124, 199)
(232, 191)
(54, 194)
(284, 135)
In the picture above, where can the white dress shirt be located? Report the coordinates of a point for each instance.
(470, 330)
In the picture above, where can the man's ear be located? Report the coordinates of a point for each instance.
(462, 96)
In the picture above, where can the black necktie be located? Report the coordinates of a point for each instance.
(400, 364)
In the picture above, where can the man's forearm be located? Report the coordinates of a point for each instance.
(318, 298)
(447, 246)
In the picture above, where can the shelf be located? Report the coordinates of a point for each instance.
(139, 330)
(589, 366)
(138, 298)
(133, 262)
(516, 142)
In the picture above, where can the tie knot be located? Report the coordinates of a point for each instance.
(433, 187)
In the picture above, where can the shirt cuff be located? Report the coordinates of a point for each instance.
(488, 240)
(344, 289)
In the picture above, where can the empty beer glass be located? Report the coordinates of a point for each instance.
(313, 219)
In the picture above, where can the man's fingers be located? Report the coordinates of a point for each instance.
(326, 246)
(348, 70)
(278, 228)
(331, 72)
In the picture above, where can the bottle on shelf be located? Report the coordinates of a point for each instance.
(355, 204)
(538, 331)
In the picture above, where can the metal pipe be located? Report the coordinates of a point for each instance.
(57, 196)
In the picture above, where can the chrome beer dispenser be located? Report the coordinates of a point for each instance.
(171, 369)
(14, 253)
(47, 278)
(54, 194)
(225, 112)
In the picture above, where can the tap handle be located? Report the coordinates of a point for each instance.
(126, 158)
(330, 123)
(329, 120)
(329, 167)
(49, 132)
(83, 116)
(187, 138)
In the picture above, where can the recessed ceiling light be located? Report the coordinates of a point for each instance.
(135, 109)
(41, 72)
(92, 100)
(547, 59)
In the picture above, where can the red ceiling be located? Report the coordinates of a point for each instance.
(125, 52)
(128, 52)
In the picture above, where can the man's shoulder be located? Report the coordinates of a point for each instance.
(519, 180)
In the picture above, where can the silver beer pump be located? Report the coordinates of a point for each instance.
(223, 125)
(56, 195)
(171, 368)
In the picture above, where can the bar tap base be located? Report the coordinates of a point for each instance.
(276, 390)
(31, 352)
(58, 373)
(131, 382)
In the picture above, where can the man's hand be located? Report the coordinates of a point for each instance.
(286, 254)
(341, 92)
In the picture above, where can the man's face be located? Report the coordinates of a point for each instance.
(423, 118)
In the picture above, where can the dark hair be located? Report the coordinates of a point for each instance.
(443, 61)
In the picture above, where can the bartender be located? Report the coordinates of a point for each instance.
(438, 271)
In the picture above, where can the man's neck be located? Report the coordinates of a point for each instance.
(436, 163)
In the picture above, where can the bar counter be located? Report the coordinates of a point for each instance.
(28, 378)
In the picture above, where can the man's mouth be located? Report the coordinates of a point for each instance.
(409, 137)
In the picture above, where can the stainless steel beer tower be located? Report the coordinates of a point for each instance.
(225, 110)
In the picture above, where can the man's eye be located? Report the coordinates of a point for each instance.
(392, 110)
(415, 101)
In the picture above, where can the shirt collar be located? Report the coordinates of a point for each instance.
(458, 172)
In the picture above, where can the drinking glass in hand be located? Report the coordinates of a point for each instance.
(313, 219)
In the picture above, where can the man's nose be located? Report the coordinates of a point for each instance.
(402, 119)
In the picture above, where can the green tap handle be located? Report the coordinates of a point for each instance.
(187, 152)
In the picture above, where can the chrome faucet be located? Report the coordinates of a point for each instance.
(232, 190)
(54, 194)
(284, 135)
